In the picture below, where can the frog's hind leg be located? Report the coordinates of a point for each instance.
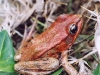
(40, 66)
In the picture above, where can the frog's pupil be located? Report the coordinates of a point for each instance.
(73, 29)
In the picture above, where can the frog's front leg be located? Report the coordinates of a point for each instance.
(40, 66)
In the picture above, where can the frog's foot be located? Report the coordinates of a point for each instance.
(66, 65)
(38, 67)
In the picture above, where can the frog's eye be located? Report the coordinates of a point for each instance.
(73, 28)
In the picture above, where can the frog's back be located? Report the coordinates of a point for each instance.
(53, 37)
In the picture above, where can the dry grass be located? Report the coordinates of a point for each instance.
(15, 14)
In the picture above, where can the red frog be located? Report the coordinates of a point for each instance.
(41, 55)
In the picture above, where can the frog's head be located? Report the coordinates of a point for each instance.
(73, 27)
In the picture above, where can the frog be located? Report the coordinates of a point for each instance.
(41, 55)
